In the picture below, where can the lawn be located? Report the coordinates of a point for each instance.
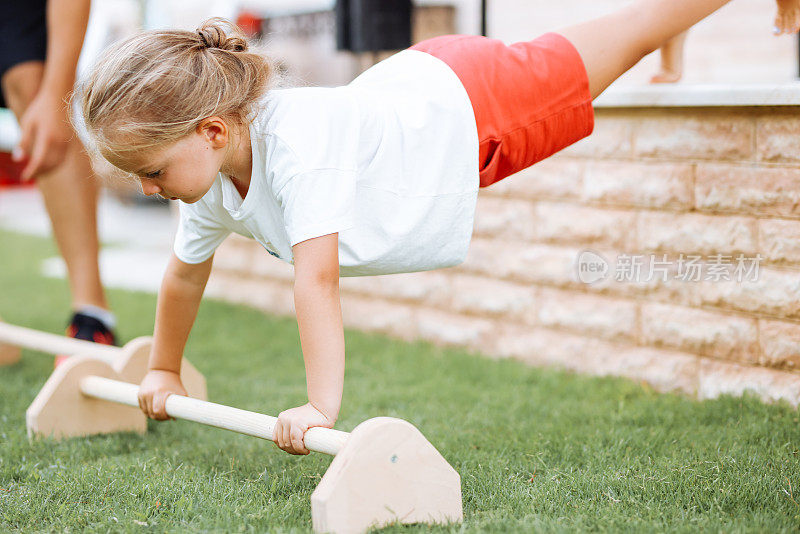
(537, 450)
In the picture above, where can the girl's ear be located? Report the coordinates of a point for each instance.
(215, 130)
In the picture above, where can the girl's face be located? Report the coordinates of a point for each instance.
(184, 170)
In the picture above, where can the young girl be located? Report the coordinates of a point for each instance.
(380, 176)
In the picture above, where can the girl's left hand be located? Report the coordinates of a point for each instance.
(292, 425)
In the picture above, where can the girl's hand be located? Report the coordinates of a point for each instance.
(156, 386)
(292, 425)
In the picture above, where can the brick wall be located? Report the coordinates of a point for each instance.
(718, 184)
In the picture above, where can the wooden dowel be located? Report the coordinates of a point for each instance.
(325, 440)
(53, 343)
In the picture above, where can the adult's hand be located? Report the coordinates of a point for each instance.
(46, 133)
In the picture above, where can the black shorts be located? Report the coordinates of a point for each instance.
(23, 34)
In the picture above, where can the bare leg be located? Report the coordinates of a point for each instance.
(671, 60)
(612, 44)
(70, 195)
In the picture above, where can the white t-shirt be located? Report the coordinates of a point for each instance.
(390, 162)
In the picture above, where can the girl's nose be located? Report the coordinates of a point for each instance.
(149, 188)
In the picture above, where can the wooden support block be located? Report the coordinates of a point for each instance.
(131, 364)
(60, 410)
(9, 354)
(130, 361)
(386, 471)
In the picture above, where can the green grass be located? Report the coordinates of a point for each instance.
(537, 450)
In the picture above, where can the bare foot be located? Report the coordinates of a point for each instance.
(665, 76)
(671, 60)
(787, 20)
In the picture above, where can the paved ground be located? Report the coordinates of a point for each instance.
(137, 237)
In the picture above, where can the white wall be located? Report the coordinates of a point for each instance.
(734, 45)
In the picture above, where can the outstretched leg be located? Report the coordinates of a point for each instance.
(612, 44)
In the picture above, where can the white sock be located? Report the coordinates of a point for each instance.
(96, 312)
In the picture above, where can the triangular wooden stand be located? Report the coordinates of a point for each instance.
(9, 354)
(131, 365)
(60, 410)
(387, 471)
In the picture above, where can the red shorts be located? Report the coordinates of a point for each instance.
(530, 99)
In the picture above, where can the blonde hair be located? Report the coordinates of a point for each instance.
(157, 86)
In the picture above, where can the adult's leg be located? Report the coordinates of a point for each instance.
(612, 44)
(70, 196)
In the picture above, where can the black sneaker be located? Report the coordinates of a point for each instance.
(89, 329)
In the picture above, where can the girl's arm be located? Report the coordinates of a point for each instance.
(178, 301)
(319, 320)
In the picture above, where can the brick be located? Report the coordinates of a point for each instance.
(621, 183)
(485, 296)
(590, 315)
(410, 287)
(672, 289)
(780, 343)
(492, 257)
(771, 294)
(542, 346)
(663, 370)
(773, 192)
(553, 178)
(569, 223)
(524, 263)
(632, 274)
(693, 233)
(375, 315)
(774, 293)
(684, 136)
(272, 297)
(779, 240)
(611, 138)
(234, 256)
(264, 265)
(700, 332)
(443, 328)
(776, 139)
(506, 218)
(545, 264)
(556, 266)
(723, 378)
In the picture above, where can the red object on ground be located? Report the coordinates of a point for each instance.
(10, 172)
(250, 23)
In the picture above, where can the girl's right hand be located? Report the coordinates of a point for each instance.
(156, 386)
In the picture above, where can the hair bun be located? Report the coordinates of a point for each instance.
(211, 34)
